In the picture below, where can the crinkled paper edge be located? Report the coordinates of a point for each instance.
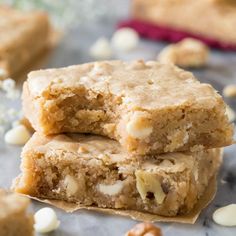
(189, 218)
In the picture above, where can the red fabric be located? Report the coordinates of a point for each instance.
(157, 32)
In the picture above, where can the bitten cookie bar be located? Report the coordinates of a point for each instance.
(14, 219)
(23, 35)
(96, 171)
(148, 107)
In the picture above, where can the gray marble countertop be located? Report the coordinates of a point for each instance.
(73, 49)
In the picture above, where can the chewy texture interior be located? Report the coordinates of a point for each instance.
(161, 125)
(168, 185)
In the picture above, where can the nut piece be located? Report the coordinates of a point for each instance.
(111, 189)
(147, 182)
(187, 53)
(229, 91)
(45, 220)
(18, 135)
(225, 216)
(72, 186)
(125, 39)
(101, 49)
(139, 125)
(144, 229)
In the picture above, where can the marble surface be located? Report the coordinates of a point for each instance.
(73, 49)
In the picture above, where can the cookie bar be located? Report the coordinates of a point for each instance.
(23, 36)
(95, 171)
(187, 16)
(148, 107)
(14, 219)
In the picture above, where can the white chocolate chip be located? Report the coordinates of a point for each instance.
(111, 189)
(101, 49)
(18, 135)
(8, 84)
(45, 220)
(229, 90)
(139, 125)
(225, 216)
(3, 73)
(125, 39)
(230, 113)
(71, 185)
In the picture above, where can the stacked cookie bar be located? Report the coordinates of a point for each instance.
(124, 135)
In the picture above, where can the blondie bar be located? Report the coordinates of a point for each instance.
(188, 16)
(148, 107)
(14, 219)
(93, 170)
(23, 36)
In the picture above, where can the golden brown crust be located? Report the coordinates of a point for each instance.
(149, 107)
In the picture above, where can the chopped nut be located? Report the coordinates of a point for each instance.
(82, 149)
(72, 186)
(125, 39)
(18, 135)
(101, 49)
(45, 220)
(225, 216)
(187, 53)
(229, 90)
(144, 229)
(139, 125)
(111, 189)
(149, 182)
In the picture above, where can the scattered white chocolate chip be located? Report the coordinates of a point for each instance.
(8, 84)
(101, 49)
(139, 125)
(125, 39)
(225, 216)
(18, 135)
(45, 220)
(3, 73)
(230, 113)
(229, 90)
(111, 189)
(71, 185)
